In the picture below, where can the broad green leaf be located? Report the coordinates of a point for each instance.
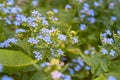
(101, 77)
(29, 68)
(114, 66)
(39, 76)
(104, 64)
(14, 60)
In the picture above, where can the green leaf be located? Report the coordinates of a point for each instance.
(24, 45)
(14, 60)
(87, 59)
(114, 66)
(29, 68)
(101, 77)
(39, 76)
(64, 68)
(104, 64)
(26, 76)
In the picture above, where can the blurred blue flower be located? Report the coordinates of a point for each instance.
(67, 77)
(118, 32)
(87, 68)
(38, 56)
(32, 40)
(82, 27)
(82, 16)
(96, 4)
(17, 23)
(111, 78)
(62, 37)
(35, 2)
(12, 40)
(104, 51)
(1, 68)
(91, 19)
(5, 77)
(86, 51)
(55, 10)
(108, 32)
(77, 68)
(91, 12)
(44, 64)
(110, 40)
(75, 39)
(86, 6)
(10, 2)
(112, 52)
(60, 52)
(71, 71)
(20, 31)
(68, 6)
(113, 18)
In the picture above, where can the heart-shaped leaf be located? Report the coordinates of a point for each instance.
(14, 60)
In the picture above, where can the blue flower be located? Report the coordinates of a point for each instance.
(75, 39)
(71, 71)
(20, 31)
(55, 10)
(83, 16)
(44, 64)
(110, 40)
(108, 32)
(32, 41)
(111, 5)
(77, 68)
(5, 77)
(8, 21)
(86, 6)
(60, 52)
(118, 32)
(91, 19)
(66, 77)
(113, 18)
(38, 56)
(104, 51)
(86, 51)
(111, 78)
(82, 27)
(35, 2)
(34, 12)
(96, 4)
(87, 67)
(112, 52)
(68, 6)
(91, 12)
(10, 2)
(12, 40)
(47, 39)
(62, 37)
(1, 68)
(80, 62)
(17, 23)
(104, 35)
